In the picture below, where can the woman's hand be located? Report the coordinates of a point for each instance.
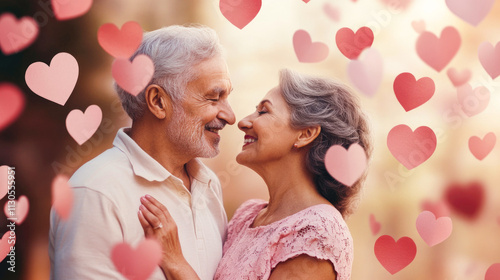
(158, 224)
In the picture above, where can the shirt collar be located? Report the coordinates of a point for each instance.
(147, 167)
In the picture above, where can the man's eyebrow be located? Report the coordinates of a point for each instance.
(219, 90)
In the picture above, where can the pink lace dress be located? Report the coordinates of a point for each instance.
(251, 253)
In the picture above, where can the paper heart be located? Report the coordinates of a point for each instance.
(397, 5)
(438, 52)
(11, 104)
(17, 209)
(493, 272)
(62, 196)
(418, 26)
(5, 245)
(489, 57)
(332, 12)
(55, 82)
(411, 148)
(472, 101)
(346, 166)
(240, 13)
(412, 93)
(351, 45)
(471, 11)
(16, 35)
(306, 50)
(395, 255)
(4, 180)
(438, 208)
(81, 126)
(133, 76)
(458, 78)
(433, 231)
(374, 225)
(480, 148)
(120, 43)
(465, 200)
(69, 9)
(138, 263)
(366, 73)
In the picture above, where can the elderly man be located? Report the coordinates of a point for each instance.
(175, 119)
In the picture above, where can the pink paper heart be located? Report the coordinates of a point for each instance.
(352, 44)
(240, 13)
(471, 11)
(306, 1)
(374, 225)
(120, 43)
(489, 57)
(397, 5)
(138, 263)
(4, 180)
(346, 166)
(418, 26)
(474, 101)
(395, 255)
(62, 196)
(6, 244)
(438, 208)
(11, 104)
(306, 50)
(17, 209)
(366, 72)
(493, 272)
(411, 148)
(412, 93)
(458, 78)
(438, 52)
(69, 9)
(81, 126)
(16, 35)
(133, 76)
(55, 82)
(332, 12)
(480, 148)
(433, 231)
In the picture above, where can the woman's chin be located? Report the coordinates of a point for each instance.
(242, 158)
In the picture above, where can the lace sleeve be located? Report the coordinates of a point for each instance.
(320, 234)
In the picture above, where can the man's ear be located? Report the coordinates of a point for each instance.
(158, 101)
(307, 135)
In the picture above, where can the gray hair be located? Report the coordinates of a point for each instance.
(174, 51)
(320, 101)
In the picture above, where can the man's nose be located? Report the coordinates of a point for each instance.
(226, 113)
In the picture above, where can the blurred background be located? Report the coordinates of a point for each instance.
(38, 146)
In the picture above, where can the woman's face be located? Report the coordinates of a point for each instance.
(268, 134)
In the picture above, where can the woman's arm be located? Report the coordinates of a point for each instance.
(158, 224)
(304, 267)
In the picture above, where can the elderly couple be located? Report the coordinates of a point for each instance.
(150, 184)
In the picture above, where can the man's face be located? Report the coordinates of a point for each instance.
(204, 110)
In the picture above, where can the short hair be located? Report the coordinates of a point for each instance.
(321, 101)
(174, 51)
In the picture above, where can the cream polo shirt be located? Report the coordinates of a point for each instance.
(107, 193)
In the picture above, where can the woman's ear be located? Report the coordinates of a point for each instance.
(307, 135)
(158, 101)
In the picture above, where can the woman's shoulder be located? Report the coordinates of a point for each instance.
(248, 210)
(322, 218)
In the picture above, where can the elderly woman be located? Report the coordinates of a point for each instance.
(300, 233)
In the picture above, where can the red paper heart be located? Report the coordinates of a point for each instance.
(480, 148)
(493, 272)
(411, 148)
(240, 13)
(394, 256)
(4, 180)
(465, 200)
(351, 45)
(69, 9)
(16, 35)
(458, 78)
(438, 208)
(411, 93)
(11, 104)
(138, 263)
(62, 196)
(19, 210)
(306, 50)
(120, 43)
(438, 52)
(374, 225)
(5, 245)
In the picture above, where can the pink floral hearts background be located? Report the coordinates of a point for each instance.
(452, 43)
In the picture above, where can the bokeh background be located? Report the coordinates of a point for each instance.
(39, 147)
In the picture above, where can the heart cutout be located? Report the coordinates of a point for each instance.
(352, 44)
(412, 93)
(12, 104)
(458, 78)
(306, 50)
(395, 255)
(411, 148)
(133, 76)
(493, 272)
(240, 13)
(465, 200)
(69, 9)
(438, 208)
(81, 126)
(138, 263)
(5, 245)
(473, 101)
(433, 231)
(480, 148)
(332, 12)
(366, 72)
(16, 35)
(4, 180)
(346, 166)
(62, 196)
(419, 26)
(489, 57)
(374, 225)
(120, 43)
(438, 52)
(17, 209)
(471, 11)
